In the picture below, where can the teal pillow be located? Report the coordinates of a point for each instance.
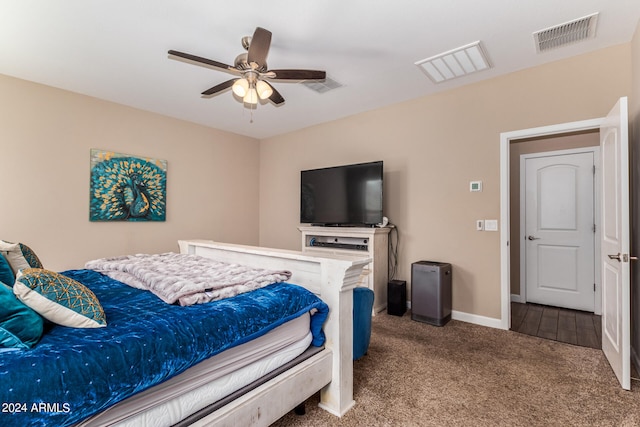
(20, 327)
(6, 274)
(59, 299)
(19, 256)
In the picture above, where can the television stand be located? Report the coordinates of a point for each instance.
(372, 242)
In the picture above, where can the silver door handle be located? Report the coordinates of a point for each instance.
(622, 257)
(618, 257)
(533, 238)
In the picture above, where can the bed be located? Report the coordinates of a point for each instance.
(196, 390)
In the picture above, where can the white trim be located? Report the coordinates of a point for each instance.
(491, 322)
(505, 139)
(518, 298)
(522, 220)
(505, 267)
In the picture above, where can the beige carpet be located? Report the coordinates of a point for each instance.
(467, 375)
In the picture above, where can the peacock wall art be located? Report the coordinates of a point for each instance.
(127, 188)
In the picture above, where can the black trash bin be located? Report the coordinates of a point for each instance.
(431, 292)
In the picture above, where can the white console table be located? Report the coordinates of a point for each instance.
(370, 242)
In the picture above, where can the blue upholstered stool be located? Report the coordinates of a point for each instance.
(362, 308)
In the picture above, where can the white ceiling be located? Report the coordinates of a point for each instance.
(117, 49)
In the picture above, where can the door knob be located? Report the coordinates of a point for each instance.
(616, 257)
(532, 238)
(622, 257)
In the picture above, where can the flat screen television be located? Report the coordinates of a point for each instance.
(349, 195)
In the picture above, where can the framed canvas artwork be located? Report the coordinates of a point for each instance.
(127, 188)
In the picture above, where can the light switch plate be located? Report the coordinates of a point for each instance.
(475, 186)
(491, 225)
(480, 225)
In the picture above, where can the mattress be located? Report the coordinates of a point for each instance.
(210, 380)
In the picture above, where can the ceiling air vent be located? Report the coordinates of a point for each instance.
(455, 63)
(567, 33)
(322, 86)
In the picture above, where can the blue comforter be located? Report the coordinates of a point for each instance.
(74, 373)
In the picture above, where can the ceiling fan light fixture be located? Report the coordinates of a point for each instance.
(263, 89)
(251, 97)
(240, 87)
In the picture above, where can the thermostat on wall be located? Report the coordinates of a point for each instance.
(475, 186)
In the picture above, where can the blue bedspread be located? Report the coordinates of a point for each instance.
(74, 373)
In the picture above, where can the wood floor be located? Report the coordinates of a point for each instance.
(559, 324)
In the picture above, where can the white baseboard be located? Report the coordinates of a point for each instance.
(476, 319)
(472, 318)
(517, 298)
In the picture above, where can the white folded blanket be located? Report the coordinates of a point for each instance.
(186, 279)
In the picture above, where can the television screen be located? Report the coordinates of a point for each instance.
(342, 195)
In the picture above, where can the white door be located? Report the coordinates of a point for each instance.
(559, 230)
(614, 145)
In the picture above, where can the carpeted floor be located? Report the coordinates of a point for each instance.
(467, 375)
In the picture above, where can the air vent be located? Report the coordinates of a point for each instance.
(567, 33)
(322, 86)
(455, 63)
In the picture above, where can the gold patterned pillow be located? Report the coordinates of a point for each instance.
(19, 256)
(59, 299)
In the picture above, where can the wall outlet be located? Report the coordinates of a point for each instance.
(480, 225)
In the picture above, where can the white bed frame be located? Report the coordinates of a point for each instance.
(332, 278)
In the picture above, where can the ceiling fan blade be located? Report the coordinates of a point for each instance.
(259, 47)
(202, 60)
(275, 97)
(220, 87)
(298, 74)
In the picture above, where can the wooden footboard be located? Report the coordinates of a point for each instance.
(330, 277)
(270, 401)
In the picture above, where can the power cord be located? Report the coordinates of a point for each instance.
(393, 251)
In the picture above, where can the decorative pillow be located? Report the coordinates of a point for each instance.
(19, 256)
(6, 273)
(20, 327)
(59, 299)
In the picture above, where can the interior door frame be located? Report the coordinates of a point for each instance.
(597, 306)
(505, 224)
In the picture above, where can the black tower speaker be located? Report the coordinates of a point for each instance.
(397, 297)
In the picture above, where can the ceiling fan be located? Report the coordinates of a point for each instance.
(252, 69)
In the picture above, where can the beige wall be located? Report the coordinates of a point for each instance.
(45, 138)
(432, 147)
(528, 146)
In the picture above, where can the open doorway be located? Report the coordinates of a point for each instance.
(562, 304)
(537, 134)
